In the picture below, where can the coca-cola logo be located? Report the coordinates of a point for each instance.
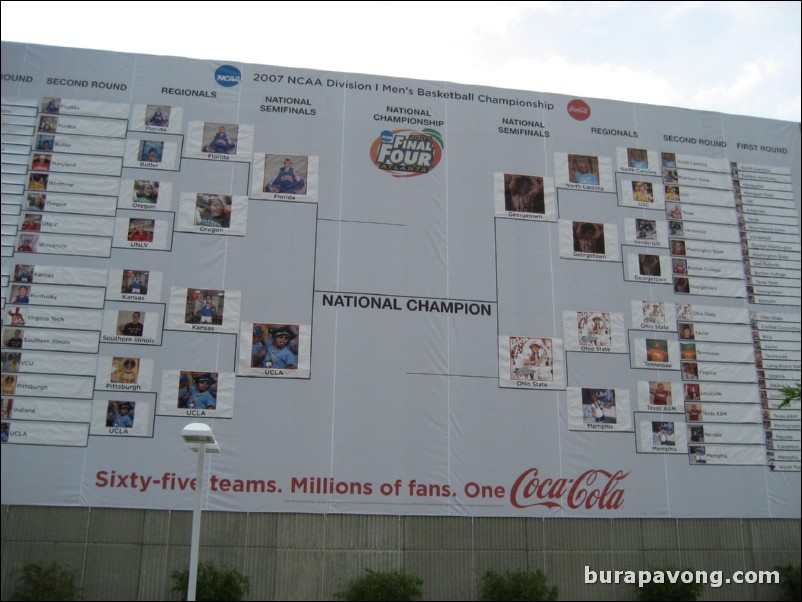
(594, 488)
(579, 109)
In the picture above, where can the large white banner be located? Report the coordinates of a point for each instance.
(391, 296)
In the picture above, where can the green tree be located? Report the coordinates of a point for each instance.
(667, 591)
(790, 581)
(516, 586)
(52, 582)
(790, 394)
(382, 586)
(213, 583)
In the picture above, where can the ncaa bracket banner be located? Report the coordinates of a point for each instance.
(391, 296)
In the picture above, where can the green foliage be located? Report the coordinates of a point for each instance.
(790, 394)
(213, 583)
(667, 591)
(52, 582)
(515, 586)
(382, 586)
(790, 577)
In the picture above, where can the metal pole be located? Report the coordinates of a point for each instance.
(196, 522)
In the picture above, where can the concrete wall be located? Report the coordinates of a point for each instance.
(129, 554)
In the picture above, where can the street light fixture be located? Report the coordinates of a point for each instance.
(201, 440)
(198, 432)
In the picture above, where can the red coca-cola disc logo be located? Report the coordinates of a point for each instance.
(579, 109)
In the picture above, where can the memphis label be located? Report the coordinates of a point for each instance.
(405, 153)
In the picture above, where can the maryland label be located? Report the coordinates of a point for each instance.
(405, 153)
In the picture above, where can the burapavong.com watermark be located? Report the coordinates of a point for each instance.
(711, 578)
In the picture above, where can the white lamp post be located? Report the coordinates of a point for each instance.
(202, 441)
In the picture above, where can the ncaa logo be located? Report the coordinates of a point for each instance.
(227, 76)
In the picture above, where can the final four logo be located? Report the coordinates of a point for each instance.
(406, 153)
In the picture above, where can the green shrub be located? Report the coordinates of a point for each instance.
(52, 582)
(382, 586)
(213, 583)
(516, 585)
(790, 576)
(667, 591)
